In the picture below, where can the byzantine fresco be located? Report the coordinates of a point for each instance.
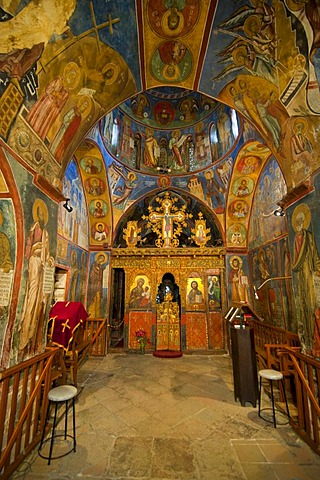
(81, 90)
(73, 225)
(300, 141)
(265, 267)
(173, 33)
(75, 260)
(247, 167)
(173, 19)
(168, 107)
(3, 184)
(305, 13)
(12, 248)
(201, 131)
(36, 245)
(38, 273)
(237, 278)
(257, 100)
(7, 261)
(56, 100)
(253, 43)
(96, 190)
(304, 237)
(261, 59)
(269, 191)
(285, 265)
(270, 260)
(267, 72)
(127, 186)
(171, 62)
(98, 285)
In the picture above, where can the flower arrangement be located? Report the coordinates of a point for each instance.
(142, 338)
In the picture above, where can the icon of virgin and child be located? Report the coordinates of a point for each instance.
(140, 295)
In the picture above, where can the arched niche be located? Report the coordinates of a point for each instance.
(147, 237)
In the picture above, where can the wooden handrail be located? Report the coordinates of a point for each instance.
(305, 371)
(24, 414)
(32, 376)
(280, 349)
(312, 398)
(8, 372)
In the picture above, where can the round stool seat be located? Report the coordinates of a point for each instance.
(270, 374)
(62, 393)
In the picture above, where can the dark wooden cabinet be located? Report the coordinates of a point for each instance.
(244, 364)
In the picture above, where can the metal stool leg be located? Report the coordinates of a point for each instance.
(66, 421)
(273, 409)
(74, 424)
(260, 386)
(53, 432)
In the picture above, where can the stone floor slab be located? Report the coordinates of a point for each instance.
(144, 418)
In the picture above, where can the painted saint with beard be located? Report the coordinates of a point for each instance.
(38, 255)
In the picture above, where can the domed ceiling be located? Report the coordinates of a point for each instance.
(169, 107)
(175, 131)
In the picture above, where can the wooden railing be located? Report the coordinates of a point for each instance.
(24, 391)
(306, 372)
(96, 331)
(78, 352)
(266, 334)
(280, 349)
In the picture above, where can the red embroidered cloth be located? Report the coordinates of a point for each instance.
(66, 318)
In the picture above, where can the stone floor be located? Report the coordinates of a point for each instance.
(142, 417)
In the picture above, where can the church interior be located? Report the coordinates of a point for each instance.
(159, 186)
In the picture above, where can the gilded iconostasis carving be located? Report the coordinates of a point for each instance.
(165, 221)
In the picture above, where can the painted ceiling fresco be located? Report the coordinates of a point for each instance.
(170, 131)
(127, 75)
(169, 107)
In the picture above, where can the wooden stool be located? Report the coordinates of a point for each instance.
(272, 375)
(56, 395)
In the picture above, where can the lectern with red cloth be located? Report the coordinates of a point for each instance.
(66, 317)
